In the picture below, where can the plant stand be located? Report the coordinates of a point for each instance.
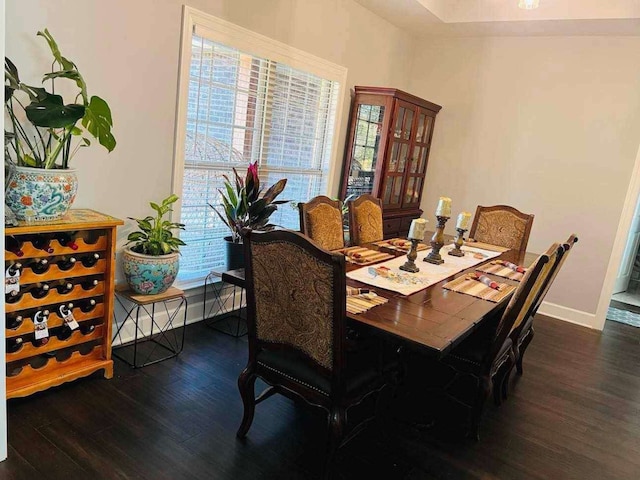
(162, 342)
(218, 286)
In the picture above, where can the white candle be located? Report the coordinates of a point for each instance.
(418, 227)
(444, 207)
(463, 221)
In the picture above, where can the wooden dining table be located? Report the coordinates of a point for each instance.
(433, 319)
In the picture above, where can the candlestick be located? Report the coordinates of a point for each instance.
(437, 242)
(458, 241)
(410, 265)
(444, 207)
(417, 229)
(463, 220)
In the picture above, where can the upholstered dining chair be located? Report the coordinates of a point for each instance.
(365, 220)
(483, 362)
(522, 336)
(504, 226)
(296, 311)
(321, 221)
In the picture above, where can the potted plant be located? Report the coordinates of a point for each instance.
(44, 134)
(245, 206)
(151, 263)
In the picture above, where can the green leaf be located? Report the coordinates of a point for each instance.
(173, 198)
(97, 120)
(135, 236)
(28, 160)
(66, 64)
(75, 131)
(51, 112)
(155, 206)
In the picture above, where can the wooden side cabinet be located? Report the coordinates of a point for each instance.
(388, 151)
(67, 265)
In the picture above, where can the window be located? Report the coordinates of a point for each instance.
(246, 98)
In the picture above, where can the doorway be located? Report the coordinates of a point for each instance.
(625, 301)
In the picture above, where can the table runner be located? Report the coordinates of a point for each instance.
(388, 275)
(501, 271)
(465, 284)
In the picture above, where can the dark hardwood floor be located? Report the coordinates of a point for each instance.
(574, 415)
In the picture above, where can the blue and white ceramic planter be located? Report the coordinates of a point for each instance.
(147, 274)
(40, 194)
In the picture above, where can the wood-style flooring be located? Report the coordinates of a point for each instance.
(575, 414)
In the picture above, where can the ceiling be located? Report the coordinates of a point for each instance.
(503, 17)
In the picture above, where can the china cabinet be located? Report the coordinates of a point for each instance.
(388, 151)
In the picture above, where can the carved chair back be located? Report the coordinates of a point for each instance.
(365, 220)
(502, 225)
(321, 221)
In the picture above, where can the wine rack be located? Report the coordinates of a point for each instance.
(78, 236)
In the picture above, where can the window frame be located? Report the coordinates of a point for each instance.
(227, 33)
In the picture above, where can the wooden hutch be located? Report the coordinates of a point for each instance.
(388, 151)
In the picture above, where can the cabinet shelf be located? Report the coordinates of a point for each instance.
(76, 338)
(55, 321)
(54, 273)
(29, 251)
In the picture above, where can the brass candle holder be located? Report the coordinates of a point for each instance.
(437, 242)
(410, 264)
(458, 241)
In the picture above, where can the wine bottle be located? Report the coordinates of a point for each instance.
(14, 344)
(39, 265)
(66, 263)
(91, 237)
(13, 297)
(14, 269)
(40, 290)
(40, 342)
(64, 332)
(64, 287)
(89, 284)
(66, 240)
(13, 322)
(13, 245)
(87, 305)
(90, 260)
(41, 242)
(87, 329)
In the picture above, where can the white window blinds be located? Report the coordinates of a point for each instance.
(244, 108)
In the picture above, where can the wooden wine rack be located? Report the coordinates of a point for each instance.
(35, 368)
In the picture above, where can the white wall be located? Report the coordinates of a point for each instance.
(128, 53)
(550, 126)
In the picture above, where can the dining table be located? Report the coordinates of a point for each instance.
(433, 319)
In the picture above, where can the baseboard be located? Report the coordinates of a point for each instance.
(567, 314)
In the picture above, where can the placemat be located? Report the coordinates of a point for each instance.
(495, 268)
(364, 256)
(399, 244)
(467, 285)
(363, 302)
(387, 275)
(486, 246)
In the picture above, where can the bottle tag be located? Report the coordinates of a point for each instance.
(40, 324)
(67, 316)
(12, 282)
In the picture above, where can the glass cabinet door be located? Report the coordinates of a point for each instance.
(403, 129)
(417, 163)
(365, 149)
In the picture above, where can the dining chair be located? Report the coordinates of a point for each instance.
(483, 362)
(504, 226)
(296, 314)
(522, 336)
(365, 220)
(321, 221)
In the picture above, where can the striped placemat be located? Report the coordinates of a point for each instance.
(364, 256)
(399, 244)
(501, 271)
(467, 285)
(363, 302)
(486, 246)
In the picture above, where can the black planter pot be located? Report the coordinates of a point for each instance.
(235, 254)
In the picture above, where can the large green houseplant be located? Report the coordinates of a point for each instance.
(43, 135)
(151, 256)
(245, 204)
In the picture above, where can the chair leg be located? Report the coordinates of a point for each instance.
(246, 384)
(523, 348)
(476, 412)
(337, 425)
